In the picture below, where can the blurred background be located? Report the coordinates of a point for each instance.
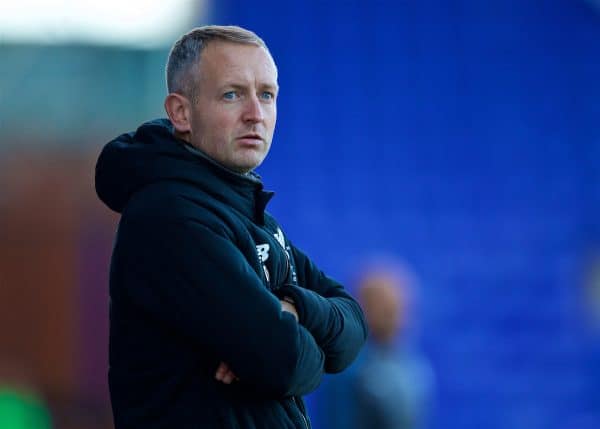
(459, 138)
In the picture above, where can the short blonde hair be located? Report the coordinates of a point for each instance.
(184, 57)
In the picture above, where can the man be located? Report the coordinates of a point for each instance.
(391, 386)
(216, 319)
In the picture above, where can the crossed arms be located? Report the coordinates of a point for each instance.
(214, 297)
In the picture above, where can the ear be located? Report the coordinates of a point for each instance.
(179, 111)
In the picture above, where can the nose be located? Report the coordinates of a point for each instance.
(253, 110)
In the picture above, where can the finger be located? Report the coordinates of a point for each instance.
(228, 378)
(221, 371)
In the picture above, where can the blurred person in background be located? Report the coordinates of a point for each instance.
(216, 319)
(390, 386)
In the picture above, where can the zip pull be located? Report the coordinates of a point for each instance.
(267, 275)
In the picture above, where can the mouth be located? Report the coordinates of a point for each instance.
(251, 137)
(250, 140)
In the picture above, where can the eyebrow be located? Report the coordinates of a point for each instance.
(261, 86)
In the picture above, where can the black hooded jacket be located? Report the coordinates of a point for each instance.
(196, 275)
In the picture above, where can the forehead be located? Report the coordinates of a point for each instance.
(221, 61)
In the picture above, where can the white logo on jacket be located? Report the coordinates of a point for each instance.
(280, 238)
(263, 251)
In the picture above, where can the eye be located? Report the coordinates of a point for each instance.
(266, 95)
(230, 95)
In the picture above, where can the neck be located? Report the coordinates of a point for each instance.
(182, 136)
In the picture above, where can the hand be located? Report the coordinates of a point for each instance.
(289, 307)
(224, 374)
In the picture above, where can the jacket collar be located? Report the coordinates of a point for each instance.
(244, 192)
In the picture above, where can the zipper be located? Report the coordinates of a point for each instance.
(287, 266)
(265, 271)
(267, 277)
(304, 419)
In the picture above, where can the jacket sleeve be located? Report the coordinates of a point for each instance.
(332, 316)
(198, 282)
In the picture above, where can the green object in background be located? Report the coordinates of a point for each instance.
(22, 410)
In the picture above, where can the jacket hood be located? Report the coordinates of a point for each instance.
(152, 153)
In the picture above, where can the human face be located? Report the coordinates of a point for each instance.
(233, 117)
